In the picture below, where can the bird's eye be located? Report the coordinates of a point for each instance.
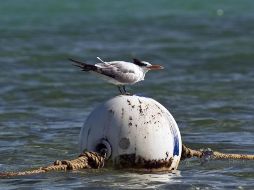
(139, 63)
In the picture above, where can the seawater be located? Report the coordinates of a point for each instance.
(206, 48)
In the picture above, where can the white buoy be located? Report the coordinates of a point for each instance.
(134, 131)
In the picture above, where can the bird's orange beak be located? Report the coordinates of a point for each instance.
(155, 67)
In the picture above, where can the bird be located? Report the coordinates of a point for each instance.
(119, 73)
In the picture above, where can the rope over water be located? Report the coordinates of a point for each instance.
(84, 161)
(208, 153)
(89, 160)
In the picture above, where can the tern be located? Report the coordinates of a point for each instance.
(119, 73)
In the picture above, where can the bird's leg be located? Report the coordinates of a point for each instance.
(125, 92)
(120, 90)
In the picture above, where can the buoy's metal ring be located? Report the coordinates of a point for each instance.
(103, 147)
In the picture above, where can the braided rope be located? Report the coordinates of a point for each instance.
(84, 161)
(188, 153)
(219, 155)
(94, 160)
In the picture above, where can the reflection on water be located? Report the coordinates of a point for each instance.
(103, 178)
(141, 181)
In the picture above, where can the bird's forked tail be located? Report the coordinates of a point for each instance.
(83, 66)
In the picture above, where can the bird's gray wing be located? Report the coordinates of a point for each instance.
(119, 73)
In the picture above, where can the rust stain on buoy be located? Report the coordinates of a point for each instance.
(138, 162)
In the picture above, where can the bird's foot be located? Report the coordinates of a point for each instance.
(123, 91)
(128, 94)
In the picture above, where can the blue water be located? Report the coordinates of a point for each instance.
(206, 48)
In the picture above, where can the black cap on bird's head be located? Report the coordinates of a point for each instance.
(147, 65)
